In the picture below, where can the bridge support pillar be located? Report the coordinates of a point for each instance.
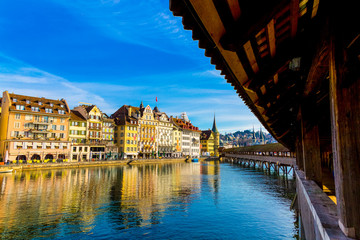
(345, 126)
(310, 146)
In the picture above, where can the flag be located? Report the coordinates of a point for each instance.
(156, 99)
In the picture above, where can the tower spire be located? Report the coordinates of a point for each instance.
(141, 105)
(214, 128)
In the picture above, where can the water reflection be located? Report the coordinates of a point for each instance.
(108, 201)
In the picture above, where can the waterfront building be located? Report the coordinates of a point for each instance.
(98, 147)
(80, 149)
(126, 131)
(210, 141)
(177, 139)
(190, 136)
(164, 133)
(34, 129)
(108, 132)
(207, 143)
(148, 126)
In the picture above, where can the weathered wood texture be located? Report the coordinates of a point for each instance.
(345, 120)
(299, 153)
(318, 212)
(311, 150)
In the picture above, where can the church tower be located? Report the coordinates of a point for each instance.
(253, 137)
(216, 138)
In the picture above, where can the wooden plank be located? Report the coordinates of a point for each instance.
(251, 56)
(311, 146)
(250, 25)
(234, 8)
(315, 8)
(294, 13)
(345, 128)
(270, 31)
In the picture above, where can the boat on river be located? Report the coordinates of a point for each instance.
(195, 160)
(6, 170)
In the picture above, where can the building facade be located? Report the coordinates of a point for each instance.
(34, 129)
(127, 131)
(190, 141)
(80, 150)
(164, 134)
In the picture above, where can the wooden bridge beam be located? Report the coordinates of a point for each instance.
(311, 144)
(345, 124)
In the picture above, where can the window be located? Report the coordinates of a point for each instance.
(51, 104)
(62, 105)
(17, 116)
(14, 100)
(20, 107)
(80, 149)
(40, 103)
(48, 110)
(27, 101)
(74, 149)
(62, 120)
(62, 135)
(62, 128)
(53, 135)
(85, 149)
(121, 141)
(28, 117)
(17, 125)
(61, 111)
(127, 141)
(35, 109)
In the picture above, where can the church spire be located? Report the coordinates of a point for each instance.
(214, 128)
(254, 137)
(141, 105)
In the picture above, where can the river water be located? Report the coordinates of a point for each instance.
(162, 201)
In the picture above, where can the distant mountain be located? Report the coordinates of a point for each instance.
(244, 138)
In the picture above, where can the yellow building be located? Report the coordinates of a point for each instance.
(207, 143)
(147, 126)
(34, 129)
(210, 141)
(126, 131)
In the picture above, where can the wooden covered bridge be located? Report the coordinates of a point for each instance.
(296, 65)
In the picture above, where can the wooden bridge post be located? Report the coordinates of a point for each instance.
(345, 126)
(311, 145)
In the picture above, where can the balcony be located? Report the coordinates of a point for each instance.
(95, 128)
(38, 122)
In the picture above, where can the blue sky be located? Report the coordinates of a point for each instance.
(111, 53)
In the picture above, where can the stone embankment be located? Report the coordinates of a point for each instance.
(34, 166)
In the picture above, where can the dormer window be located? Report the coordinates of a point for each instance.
(20, 107)
(61, 111)
(40, 103)
(35, 109)
(48, 110)
(51, 104)
(14, 100)
(27, 101)
(61, 105)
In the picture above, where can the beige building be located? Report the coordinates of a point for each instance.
(164, 137)
(80, 150)
(34, 129)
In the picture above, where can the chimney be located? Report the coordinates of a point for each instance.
(129, 111)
